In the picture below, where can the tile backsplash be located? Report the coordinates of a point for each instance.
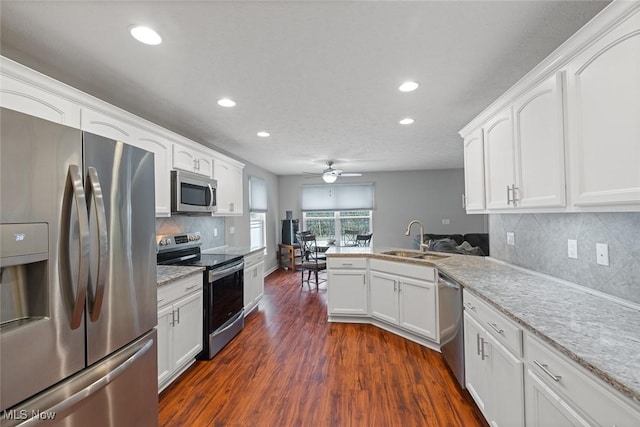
(207, 227)
(541, 245)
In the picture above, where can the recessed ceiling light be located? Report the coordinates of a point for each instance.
(408, 86)
(145, 35)
(263, 134)
(406, 121)
(226, 102)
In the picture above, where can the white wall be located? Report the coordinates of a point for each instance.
(428, 196)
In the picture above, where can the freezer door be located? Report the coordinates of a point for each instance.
(119, 391)
(121, 295)
(40, 171)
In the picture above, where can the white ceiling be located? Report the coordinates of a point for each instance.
(320, 76)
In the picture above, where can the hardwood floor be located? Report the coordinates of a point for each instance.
(290, 367)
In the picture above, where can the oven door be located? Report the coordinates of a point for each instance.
(225, 296)
(191, 193)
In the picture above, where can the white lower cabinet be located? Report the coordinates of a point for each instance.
(347, 290)
(561, 393)
(404, 295)
(253, 280)
(179, 327)
(494, 374)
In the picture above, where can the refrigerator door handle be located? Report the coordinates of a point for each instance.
(95, 193)
(100, 383)
(74, 190)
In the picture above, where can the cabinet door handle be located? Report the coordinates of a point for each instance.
(470, 306)
(478, 344)
(545, 369)
(161, 299)
(178, 321)
(464, 201)
(173, 318)
(347, 264)
(514, 193)
(482, 343)
(495, 328)
(191, 287)
(508, 197)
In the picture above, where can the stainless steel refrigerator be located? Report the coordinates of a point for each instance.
(77, 278)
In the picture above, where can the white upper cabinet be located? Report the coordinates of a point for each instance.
(539, 144)
(161, 148)
(499, 157)
(106, 125)
(566, 137)
(474, 172)
(604, 117)
(192, 160)
(229, 176)
(29, 98)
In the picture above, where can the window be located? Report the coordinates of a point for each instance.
(258, 212)
(331, 224)
(328, 210)
(257, 221)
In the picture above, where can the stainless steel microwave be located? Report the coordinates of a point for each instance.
(192, 193)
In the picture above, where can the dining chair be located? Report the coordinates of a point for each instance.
(363, 240)
(349, 237)
(313, 260)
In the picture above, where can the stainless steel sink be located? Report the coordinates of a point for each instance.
(414, 255)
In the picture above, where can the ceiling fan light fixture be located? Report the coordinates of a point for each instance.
(329, 178)
(408, 86)
(145, 35)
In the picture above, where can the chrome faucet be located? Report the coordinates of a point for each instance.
(423, 245)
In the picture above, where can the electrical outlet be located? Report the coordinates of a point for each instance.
(511, 238)
(215, 232)
(232, 230)
(445, 221)
(572, 249)
(602, 254)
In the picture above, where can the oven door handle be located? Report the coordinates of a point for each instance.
(219, 274)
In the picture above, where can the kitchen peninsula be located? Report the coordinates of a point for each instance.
(597, 336)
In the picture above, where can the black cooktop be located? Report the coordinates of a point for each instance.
(210, 261)
(184, 249)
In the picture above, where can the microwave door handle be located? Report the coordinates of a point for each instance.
(74, 190)
(212, 203)
(95, 189)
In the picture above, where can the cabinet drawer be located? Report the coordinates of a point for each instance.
(340, 262)
(406, 269)
(566, 378)
(252, 259)
(504, 330)
(175, 290)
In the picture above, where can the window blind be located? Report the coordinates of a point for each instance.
(340, 197)
(257, 194)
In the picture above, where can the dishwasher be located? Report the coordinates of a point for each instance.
(451, 324)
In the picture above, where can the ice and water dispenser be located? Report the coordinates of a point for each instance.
(24, 253)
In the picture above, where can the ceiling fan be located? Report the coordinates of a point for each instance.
(330, 175)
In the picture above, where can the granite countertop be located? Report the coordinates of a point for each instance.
(170, 273)
(598, 333)
(233, 250)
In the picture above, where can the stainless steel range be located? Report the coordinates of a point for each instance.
(223, 282)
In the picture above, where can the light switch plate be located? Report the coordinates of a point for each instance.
(602, 254)
(215, 232)
(511, 238)
(572, 249)
(445, 221)
(232, 230)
